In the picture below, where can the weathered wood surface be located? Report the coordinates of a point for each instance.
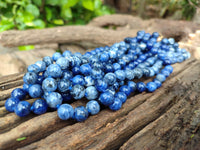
(167, 118)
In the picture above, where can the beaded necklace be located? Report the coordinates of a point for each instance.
(104, 76)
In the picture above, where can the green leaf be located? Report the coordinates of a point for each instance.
(25, 48)
(6, 27)
(88, 4)
(21, 139)
(52, 2)
(97, 4)
(37, 2)
(68, 3)
(58, 21)
(39, 24)
(66, 13)
(24, 16)
(3, 4)
(48, 13)
(14, 9)
(33, 10)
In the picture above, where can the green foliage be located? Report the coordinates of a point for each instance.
(29, 14)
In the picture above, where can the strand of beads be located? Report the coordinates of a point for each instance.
(103, 76)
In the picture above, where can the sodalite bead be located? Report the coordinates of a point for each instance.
(122, 63)
(65, 111)
(106, 98)
(115, 86)
(30, 78)
(77, 61)
(169, 68)
(40, 79)
(78, 79)
(18, 93)
(165, 72)
(125, 89)
(11, 103)
(146, 72)
(85, 69)
(67, 97)
(120, 74)
(80, 113)
(91, 93)
(33, 68)
(54, 71)
(22, 109)
(104, 57)
(116, 105)
(122, 96)
(129, 74)
(54, 99)
(48, 60)
(141, 87)
(132, 85)
(151, 86)
(49, 84)
(39, 106)
(138, 73)
(35, 91)
(151, 73)
(76, 70)
(101, 85)
(89, 81)
(93, 107)
(110, 78)
(77, 91)
(78, 54)
(67, 53)
(63, 63)
(157, 82)
(97, 73)
(25, 87)
(160, 77)
(41, 65)
(56, 55)
(67, 75)
(64, 85)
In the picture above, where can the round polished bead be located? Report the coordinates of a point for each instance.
(77, 61)
(101, 85)
(104, 57)
(110, 78)
(22, 109)
(122, 96)
(65, 111)
(89, 81)
(39, 107)
(33, 68)
(40, 79)
(63, 63)
(91, 93)
(35, 91)
(106, 98)
(146, 72)
(18, 93)
(141, 87)
(138, 73)
(160, 77)
(26, 87)
(54, 71)
(77, 91)
(129, 74)
(96, 73)
(11, 103)
(151, 86)
(120, 74)
(64, 85)
(155, 35)
(132, 85)
(78, 79)
(67, 53)
(41, 65)
(76, 70)
(49, 84)
(169, 68)
(80, 113)
(165, 72)
(48, 60)
(93, 107)
(158, 83)
(67, 75)
(54, 99)
(56, 55)
(125, 89)
(116, 66)
(30, 78)
(85, 69)
(116, 105)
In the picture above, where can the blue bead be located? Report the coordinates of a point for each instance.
(138, 73)
(122, 63)
(146, 72)
(120, 74)
(152, 73)
(112, 53)
(67, 53)
(25, 87)
(155, 35)
(18, 93)
(101, 85)
(77, 91)
(165, 72)
(85, 69)
(78, 79)
(154, 50)
(54, 71)
(67, 97)
(157, 82)
(110, 78)
(93, 107)
(49, 84)
(35, 91)
(48, 60)
(125, 89)
(91, 93)
(41, 65)
(40, 79)
(89, 81)
(80, 113)
(63, 63)
(56, 55)
(160, 77)
(54, 99)
(109, 68)
(64, 85)
(22, 109)
(142, 46)
(30, 78)
(115, 86)
(77, 61)
(116, 105)
(76, 70)
(97, 73)
(151, 86)
(141, 87)
(67, 75)
(11, 103)
(132, 85)
(78, 54)
(104, 57)
(39, 107)
(122, 96)
(106, 98)
(65, 111)
(129, 74)
(33, 68)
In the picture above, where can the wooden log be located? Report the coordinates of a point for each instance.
(107, 130)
